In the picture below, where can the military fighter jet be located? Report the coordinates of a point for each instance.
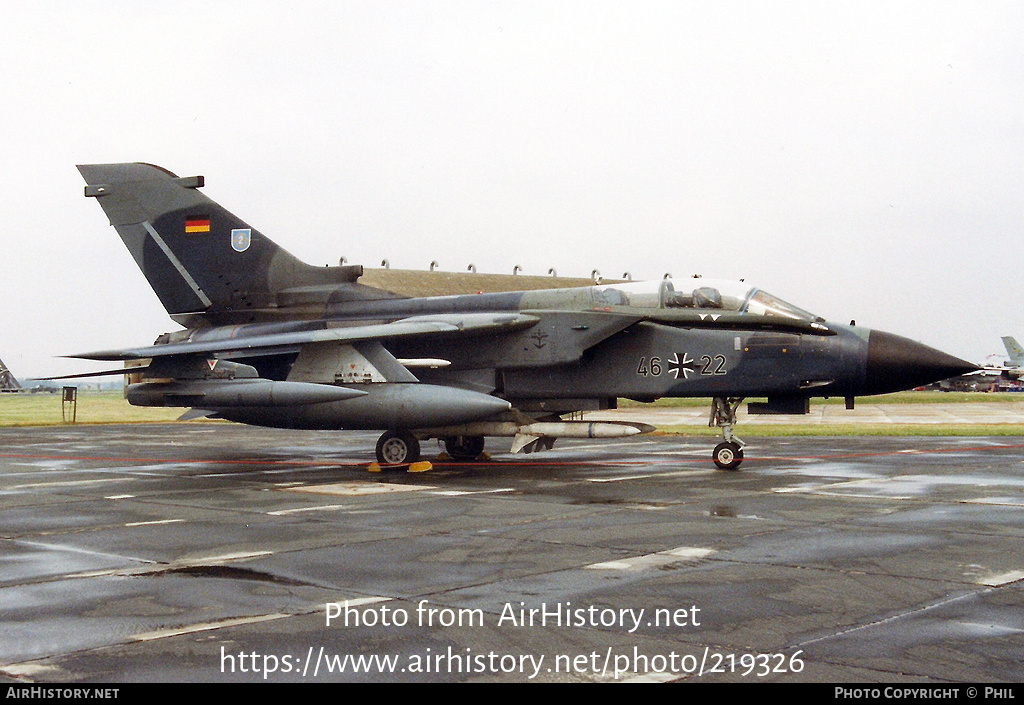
(270, 340)
(991, 377)
(1015, 365)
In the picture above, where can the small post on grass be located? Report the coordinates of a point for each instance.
(69, 403)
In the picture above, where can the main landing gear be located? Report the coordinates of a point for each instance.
(464, 448)
(729, 454)
(401, 447)
(398, 448)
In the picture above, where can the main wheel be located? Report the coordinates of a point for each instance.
(398, 448)
(464, 447)
(728, 456)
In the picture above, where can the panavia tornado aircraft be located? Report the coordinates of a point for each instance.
(270, 340)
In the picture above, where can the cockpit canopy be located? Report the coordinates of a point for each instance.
(704, 294)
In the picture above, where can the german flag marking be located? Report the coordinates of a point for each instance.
(197, 224)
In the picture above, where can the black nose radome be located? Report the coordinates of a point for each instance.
(895, 363)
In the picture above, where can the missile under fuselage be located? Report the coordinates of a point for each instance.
(543, 429)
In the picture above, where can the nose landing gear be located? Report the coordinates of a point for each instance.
(729, 454)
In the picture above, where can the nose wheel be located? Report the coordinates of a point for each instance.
(729, 454)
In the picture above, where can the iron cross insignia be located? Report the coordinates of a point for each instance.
(686, 366)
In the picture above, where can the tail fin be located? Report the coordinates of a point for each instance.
(1015, 351)
(198, 257)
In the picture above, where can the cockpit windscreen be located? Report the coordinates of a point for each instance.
(702, 294)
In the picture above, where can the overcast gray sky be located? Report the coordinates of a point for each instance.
(862, 160)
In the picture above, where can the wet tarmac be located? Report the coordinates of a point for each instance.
(217, 552)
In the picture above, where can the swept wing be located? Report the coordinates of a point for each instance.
(274, 343)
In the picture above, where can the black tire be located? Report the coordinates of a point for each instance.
(728, 456)
(398, 448)
(464, 447)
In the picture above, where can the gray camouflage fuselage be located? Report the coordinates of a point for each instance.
(433, 363)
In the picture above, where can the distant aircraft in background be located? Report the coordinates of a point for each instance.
(10, 385)
(1015, 365)
(991, 378)
(7, 381)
